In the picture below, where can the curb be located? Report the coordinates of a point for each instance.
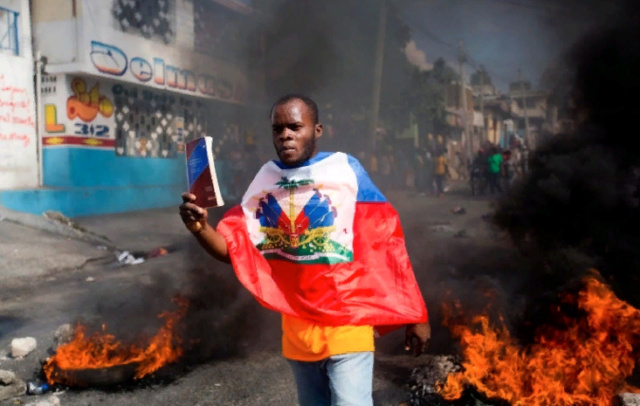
(53, 226)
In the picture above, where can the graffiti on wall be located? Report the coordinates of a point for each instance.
(16, 119)
(111, 60)
(18, 156)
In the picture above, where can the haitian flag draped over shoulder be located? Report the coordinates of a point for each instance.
(320, 242)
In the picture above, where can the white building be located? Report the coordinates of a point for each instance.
(18, 140)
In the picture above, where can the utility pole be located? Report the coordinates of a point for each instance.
(377, 75)
(524, 109)
(463, 102)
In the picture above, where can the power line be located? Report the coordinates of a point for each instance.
(472, 62)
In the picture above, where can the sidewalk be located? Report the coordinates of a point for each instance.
(138, 230)
(33, 246)
(27, 252)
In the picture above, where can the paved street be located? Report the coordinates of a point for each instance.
(49, 280)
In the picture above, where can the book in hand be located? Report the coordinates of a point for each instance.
(201, 173)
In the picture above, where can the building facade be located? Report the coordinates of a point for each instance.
(18, 138)
(124, 84)
(530, 112)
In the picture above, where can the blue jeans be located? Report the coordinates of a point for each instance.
(340, 380)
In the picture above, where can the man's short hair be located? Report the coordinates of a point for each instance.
(306, 100)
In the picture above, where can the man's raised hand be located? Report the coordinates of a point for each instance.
(193, 216)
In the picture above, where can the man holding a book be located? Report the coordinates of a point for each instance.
(315, 240)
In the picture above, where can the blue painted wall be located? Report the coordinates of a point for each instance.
(75, 167)
(73, 202)
(85, 182)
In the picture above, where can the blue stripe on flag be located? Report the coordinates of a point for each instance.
(367, 191)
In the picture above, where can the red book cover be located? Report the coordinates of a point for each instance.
(201, 173)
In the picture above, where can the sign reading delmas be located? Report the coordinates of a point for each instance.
(114, 61)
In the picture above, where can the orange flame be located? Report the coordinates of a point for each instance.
(584, 364)
(102, 350)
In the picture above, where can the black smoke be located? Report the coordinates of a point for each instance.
(578, 208)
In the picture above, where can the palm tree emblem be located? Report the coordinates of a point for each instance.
(291, 185)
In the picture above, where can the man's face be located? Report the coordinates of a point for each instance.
(294, 132)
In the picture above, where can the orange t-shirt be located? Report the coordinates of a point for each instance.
(306, 341)
(440, 165)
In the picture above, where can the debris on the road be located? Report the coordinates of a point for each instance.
(7, 377)
(10, 386)
(627, 399)
(458, 210)
(125, 258)
(102, 247)
(37, 388)
(62, 335)
(20, 347)
(90, 279)
(425, 378)
(157, 252)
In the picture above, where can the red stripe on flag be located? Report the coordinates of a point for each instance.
(377, 288)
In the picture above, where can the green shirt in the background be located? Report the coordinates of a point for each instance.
(495, 161)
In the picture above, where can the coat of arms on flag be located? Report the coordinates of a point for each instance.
(298, 222)
(320, 242)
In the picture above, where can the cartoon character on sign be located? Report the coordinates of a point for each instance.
(87, 105)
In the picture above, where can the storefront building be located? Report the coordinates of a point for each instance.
(124, 85)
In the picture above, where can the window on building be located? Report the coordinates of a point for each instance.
(9, 31)
(152, 19)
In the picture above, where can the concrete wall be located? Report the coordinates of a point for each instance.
(18, 141)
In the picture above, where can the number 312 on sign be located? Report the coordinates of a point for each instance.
(99, 130)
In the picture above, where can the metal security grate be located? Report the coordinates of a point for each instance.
(154, 124)
(152, 19)
(9, 30)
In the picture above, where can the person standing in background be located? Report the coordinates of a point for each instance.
(440, 170)
(494, 170)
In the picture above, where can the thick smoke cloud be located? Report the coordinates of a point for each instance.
(579, 206)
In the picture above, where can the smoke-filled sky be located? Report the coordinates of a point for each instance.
(502, 35)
